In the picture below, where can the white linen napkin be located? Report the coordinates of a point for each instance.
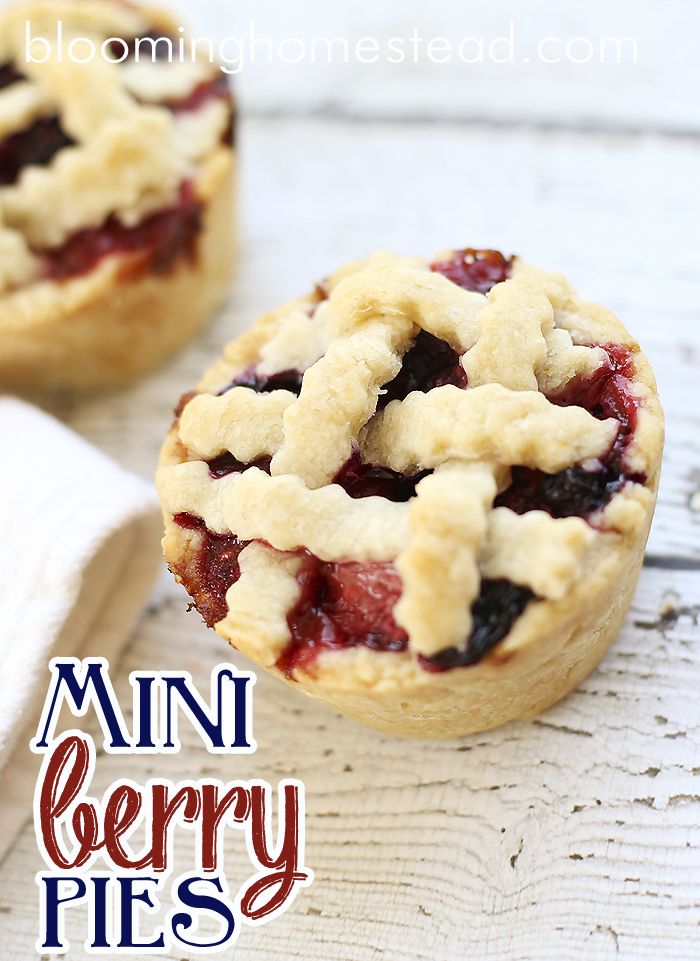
(79, 552)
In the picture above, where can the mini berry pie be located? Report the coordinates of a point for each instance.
(420, 494)
(116, 193)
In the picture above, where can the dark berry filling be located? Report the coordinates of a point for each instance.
(183, 402)
(573, 492)
(36, 146)
(477, 270)
(9, 74)
(226, 464)
(429, 363)
(266, 383)
(214, 568)
(499, 604)
(370, 480)
(576, 492)
(160, 239)
(290, 379)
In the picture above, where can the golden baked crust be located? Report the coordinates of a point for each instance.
(522, 346)
(139, 136)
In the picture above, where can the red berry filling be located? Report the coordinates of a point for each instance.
(36, 146)
(370, 480)
(216, 89)
(154, 45)
(429, 363)
(576, 492)
(213, 569)
(477, 270)
(606, 393)
(161, 240)
(345, 605)
(341, 606)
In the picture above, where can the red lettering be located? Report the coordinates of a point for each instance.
(163, 813)
(285, 866)
(213, 811)
(71, 755)
(121, 810)
(65, 775)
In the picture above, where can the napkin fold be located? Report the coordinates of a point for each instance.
(79, 552)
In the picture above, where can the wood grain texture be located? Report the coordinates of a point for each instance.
(573, 836)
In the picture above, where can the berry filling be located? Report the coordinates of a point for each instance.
(606, 393)
(356, 478)
(266, 383)
(429, 363)
(214, 568)
(341, 606)
(161, 240)
(204, 93)
(9, 74)
(573, 492)
(345, 605)
(36, 146)
(226, 464)
(153, 46)
(576, 492)
(370, 480)
(477, 270)
(499, 604)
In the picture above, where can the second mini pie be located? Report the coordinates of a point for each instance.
(422, 492)
(116, 193)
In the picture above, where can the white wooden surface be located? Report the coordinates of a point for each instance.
(575, 836)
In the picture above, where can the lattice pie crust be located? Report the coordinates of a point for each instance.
(522, 346)
(139, 136)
